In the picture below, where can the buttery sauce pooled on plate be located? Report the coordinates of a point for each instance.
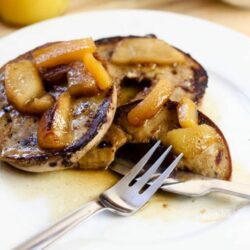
(209, 208)
(66, 190)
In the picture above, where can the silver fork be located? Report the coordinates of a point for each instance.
(125, 198)
(189, 184)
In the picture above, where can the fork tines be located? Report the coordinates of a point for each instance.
(147, 175)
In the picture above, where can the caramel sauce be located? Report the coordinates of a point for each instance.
(209, 208)
(207, 107)
(65, 191)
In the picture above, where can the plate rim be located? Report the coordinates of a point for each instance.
(141, 10)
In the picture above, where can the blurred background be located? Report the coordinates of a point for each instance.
(14, 14)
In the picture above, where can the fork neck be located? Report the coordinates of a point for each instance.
(116, 204)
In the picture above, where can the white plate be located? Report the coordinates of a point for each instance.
(31, 202)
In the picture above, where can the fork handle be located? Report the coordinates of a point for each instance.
(57, 230)
(232, 188)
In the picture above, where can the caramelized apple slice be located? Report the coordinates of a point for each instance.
(54, 126)
(145, 50)
(24, 87)
(152, 103)
(97, 70)
(191, 141)
(187, 113)
(62, 52)
(80, 81)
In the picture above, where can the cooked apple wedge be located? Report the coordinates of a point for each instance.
(191, 141)
(54, 131)
(187, 113)
(80, 81)
(24, 88)
(152, 103)
(98, 71)
(62, 52)
(145, 50)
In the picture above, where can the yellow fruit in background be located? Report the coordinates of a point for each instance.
(23, 12)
